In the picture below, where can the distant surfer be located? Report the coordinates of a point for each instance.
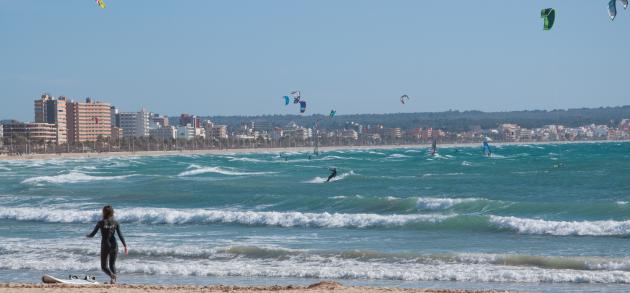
(109, 247)
(333, 174)
(434, 147)
(486, 147)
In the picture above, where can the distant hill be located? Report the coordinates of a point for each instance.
(449, 120)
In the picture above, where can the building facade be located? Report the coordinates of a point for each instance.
(164, 133)
(42, 132)
(186, 132)
(51, 110)
(135, 124)
(87, 121)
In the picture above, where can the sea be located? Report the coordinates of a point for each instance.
(532, 217)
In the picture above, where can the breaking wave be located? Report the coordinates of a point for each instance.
(200, 216)
(562, 228)
(431, 203)
(197, 170)
(72, 177)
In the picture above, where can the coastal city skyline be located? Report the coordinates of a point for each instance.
(61, 121)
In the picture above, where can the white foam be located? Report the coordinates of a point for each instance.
(466, 163)
(201, 216)
(273, 261)
(319, 180)
(414, 151)
(72, 177)
(431, 203)
(544, 227)
(197, 170)
(327, 268)
(245, 159)
(338, 197)
(398, 156)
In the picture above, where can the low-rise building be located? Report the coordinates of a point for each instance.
(219, 132)
(164, 133)
(349, 134)
(186, 132)
(261, 126)
(117, 133)
(161, 121)
(44, 132)
(510, 132)
(393, 133)
(200, 132)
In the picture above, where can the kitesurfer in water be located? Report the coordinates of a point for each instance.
(109, 247)
(333, 174)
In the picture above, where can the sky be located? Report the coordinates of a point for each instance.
(230, 57)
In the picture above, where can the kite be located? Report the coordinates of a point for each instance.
(296, 96)
(302, 106)
(404, 99)
(612, 9)
(332, 113)
(287, 100)
(101, 4)
(549, 15)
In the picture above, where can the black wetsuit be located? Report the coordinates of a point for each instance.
(332, 175)
(109, 246)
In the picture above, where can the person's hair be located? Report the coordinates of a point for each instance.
(108, 212)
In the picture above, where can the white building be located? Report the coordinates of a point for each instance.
(135, 124)
(215, 131)
(164, 133)
(200, 132)
(600, 130)
(349, 134)
(185, 132)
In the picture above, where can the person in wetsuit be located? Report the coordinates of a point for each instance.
(333, 174)
(109, 247)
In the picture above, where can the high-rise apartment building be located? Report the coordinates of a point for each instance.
(135, 124)
(51, 110)
(88, 121)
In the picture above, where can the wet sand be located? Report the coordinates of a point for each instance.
(321, 287)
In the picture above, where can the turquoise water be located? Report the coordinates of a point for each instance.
(532, 217)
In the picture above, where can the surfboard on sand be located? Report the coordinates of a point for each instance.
(72, 279)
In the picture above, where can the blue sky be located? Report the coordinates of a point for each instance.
(357, 56)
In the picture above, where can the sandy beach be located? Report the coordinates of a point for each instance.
(321, 287)
(267, 150)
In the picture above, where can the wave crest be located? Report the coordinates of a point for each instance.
(200, 216)
(72, 177)
(562, 228)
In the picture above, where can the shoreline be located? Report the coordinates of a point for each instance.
(273, 150)
(321, 287)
